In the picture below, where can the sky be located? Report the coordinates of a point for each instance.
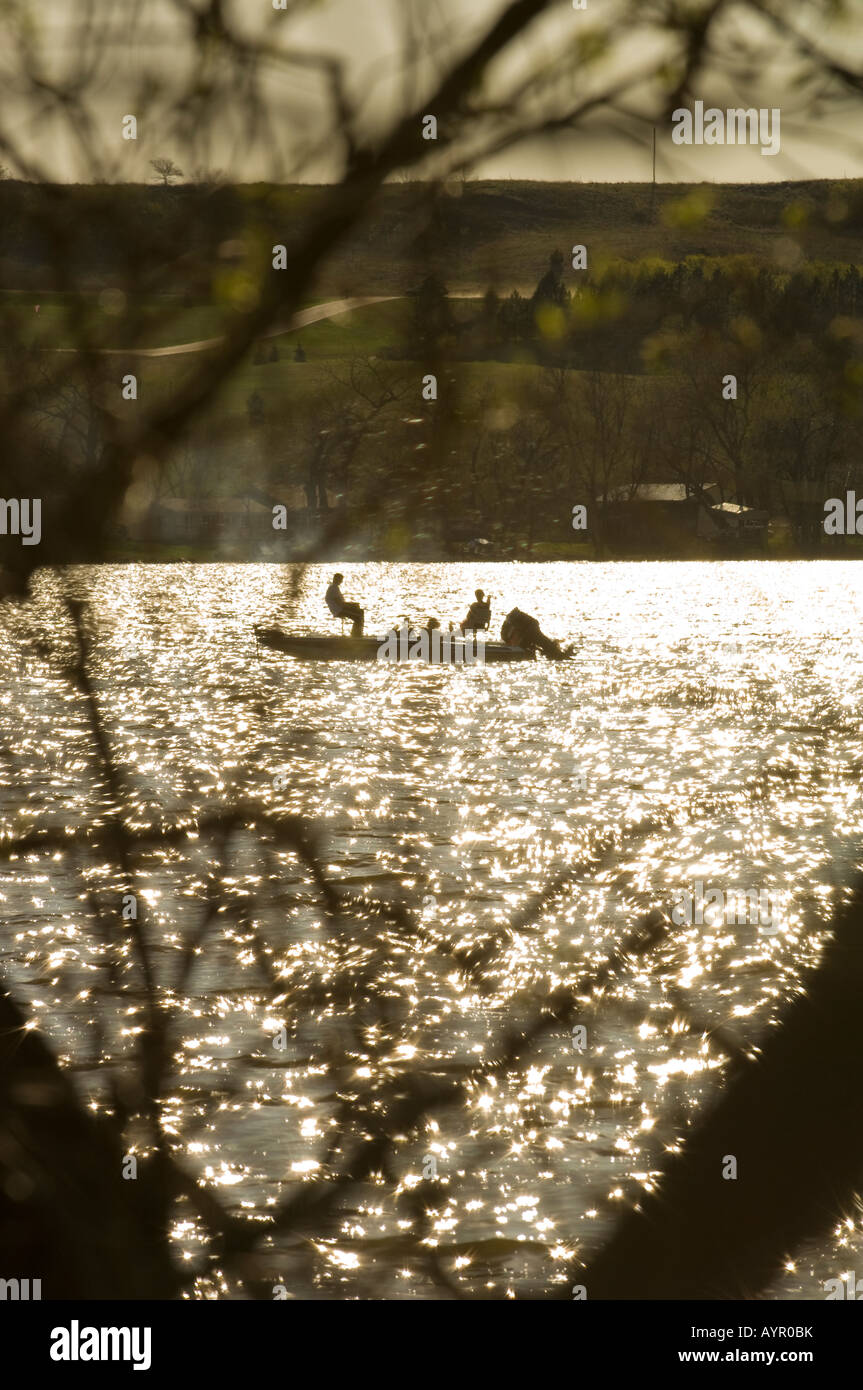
(146, 42)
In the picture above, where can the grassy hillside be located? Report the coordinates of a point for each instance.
(330, 347)
(494, 232)
(474, 234)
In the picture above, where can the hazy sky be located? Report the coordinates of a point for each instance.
(144, 39)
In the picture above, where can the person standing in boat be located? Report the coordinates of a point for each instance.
(340, 608)
(479, 613)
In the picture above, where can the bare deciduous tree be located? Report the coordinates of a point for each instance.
(167, 169)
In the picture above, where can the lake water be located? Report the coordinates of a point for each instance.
(709, 726)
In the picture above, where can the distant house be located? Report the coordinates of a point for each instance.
(658, 516)
(734, 523)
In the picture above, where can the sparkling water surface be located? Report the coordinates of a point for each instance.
(708, 729)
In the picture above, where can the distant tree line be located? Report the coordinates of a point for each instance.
(607, 318)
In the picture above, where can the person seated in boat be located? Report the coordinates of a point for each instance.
(521, 630)
(478, 615)
(340, 608)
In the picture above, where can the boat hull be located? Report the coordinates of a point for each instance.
(457, 652)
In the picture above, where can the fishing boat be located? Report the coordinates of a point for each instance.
(449, 649)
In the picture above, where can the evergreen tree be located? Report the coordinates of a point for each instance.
(432, 316)
(551, 289)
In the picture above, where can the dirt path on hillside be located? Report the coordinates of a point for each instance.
(302, 319)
